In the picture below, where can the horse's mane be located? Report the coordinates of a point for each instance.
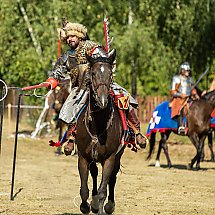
(208, 95)
(210, 98)
(199, 91)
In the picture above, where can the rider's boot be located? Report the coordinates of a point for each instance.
(140, 139)
(181, 128)
(70, 136)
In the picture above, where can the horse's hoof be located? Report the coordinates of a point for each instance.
(157, 163)
(95, 204)
(95, 211)
(85, 207)
(170, 166)
(189, 166)
(198, 167)
(110, 207)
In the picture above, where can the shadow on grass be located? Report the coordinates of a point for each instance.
(177, 166)
(19, 191)
(69, 214)
(182, 167)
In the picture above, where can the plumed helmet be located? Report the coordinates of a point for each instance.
(72, 29)
(184, 66)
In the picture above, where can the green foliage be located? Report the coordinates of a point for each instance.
(152, 38)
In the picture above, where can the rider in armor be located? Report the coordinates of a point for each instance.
(74, 63)
(181, 90)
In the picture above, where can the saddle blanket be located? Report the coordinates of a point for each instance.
(161, 120)
(77, 99)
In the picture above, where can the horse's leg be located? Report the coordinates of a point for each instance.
(163, 144)
(195, 140)
(203, 155)
(157, 161)
(110, 206)
(94, 173)
(107, 169)
(84, 191)
(199, 151)
(210, 144)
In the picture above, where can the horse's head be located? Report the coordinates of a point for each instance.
(210, 97)
(101, 77)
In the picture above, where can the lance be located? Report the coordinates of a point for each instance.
(59, 46)
(64, 22)
(44, 84)
(201, 76)
(107, 34)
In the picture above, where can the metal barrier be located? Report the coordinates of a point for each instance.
(20, 94)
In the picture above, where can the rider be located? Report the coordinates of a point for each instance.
(181, 90)
(75, 64)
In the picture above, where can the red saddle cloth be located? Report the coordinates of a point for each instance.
(213, 114)
(128, 137)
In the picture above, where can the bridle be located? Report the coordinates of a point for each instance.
(93, 93)
(100, 84)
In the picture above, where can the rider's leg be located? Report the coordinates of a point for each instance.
(132, 117)
(181, 128)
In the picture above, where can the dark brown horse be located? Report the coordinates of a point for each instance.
(199, 120)
(198, 123)
(98, 137)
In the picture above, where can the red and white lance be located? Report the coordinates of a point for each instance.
(107, 34)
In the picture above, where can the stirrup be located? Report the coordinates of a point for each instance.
(68, 147)
(141, 140)
(181, 130)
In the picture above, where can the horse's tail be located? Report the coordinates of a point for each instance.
(152, 144)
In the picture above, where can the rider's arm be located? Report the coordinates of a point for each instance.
(58, 73)
(174, 92)
(194, 94)
(60, 69)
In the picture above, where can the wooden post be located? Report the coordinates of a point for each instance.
(9, 118)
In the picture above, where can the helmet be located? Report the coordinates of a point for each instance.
(185, 66)
(72, 29)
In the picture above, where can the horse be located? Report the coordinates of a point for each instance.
(198, 122)
(210, 134)
(99, 131)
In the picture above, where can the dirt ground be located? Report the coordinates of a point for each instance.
(47, 184)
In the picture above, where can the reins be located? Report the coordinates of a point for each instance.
(88, 117)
